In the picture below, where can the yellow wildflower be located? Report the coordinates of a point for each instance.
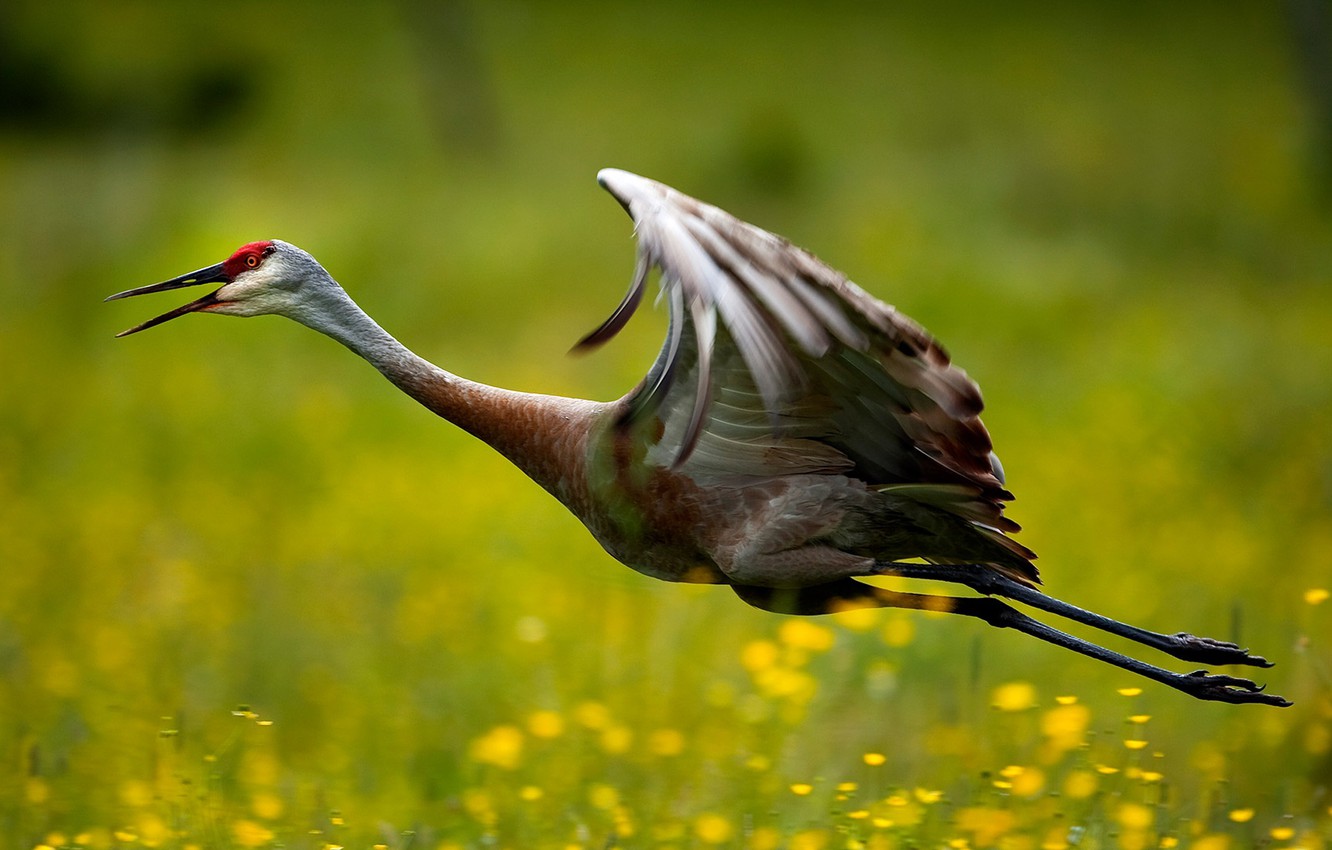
(1316, 595)
(1241, 815)
(267, 806)
(899, 631)
(986, 824)
(713, 828)
(765, 838)
(874, 759)
(624, 822)
(758, 762)
(1013, 696)
(153, 831)
(545, 724)
(97, 837)
(1080, 784)
(1134, 816)
(785, 682)
(1029, 782)
(1066, 725)
(809, 839)
(250, 834)
(801, 789)
(857, 618)
(501, 747)
(805, 634)
(759, 655)
(616, 739)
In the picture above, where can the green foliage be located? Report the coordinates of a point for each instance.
(1106, 213)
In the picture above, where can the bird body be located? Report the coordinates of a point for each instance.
(793, 435)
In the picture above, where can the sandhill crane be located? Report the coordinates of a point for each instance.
(795, 434)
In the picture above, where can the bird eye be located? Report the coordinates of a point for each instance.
(252, 261)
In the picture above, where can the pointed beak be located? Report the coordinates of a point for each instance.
(212, 274)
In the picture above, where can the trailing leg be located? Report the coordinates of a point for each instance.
(848, 593)
(984, 579)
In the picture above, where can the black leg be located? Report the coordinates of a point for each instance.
(849, 593)
(985, 579)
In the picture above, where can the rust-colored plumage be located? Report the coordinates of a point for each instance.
(794, 436)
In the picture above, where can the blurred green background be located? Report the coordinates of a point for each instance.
(1116, 216)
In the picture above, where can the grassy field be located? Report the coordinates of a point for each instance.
(250, 596)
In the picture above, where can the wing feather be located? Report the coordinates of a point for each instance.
(618, 319)
(790, 367)
(705, 334)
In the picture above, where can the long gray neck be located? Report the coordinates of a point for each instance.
(342, 319)
(542, 435)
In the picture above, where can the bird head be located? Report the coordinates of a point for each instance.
(260, 278)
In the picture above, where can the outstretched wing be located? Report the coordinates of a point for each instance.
(775, 363)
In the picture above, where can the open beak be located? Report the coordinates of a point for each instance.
(212, 274)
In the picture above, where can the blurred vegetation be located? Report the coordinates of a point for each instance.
(1113, 214)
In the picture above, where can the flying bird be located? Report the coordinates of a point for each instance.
(794, 435)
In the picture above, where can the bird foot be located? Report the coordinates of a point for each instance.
(1221, 688)
(1211, 651)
